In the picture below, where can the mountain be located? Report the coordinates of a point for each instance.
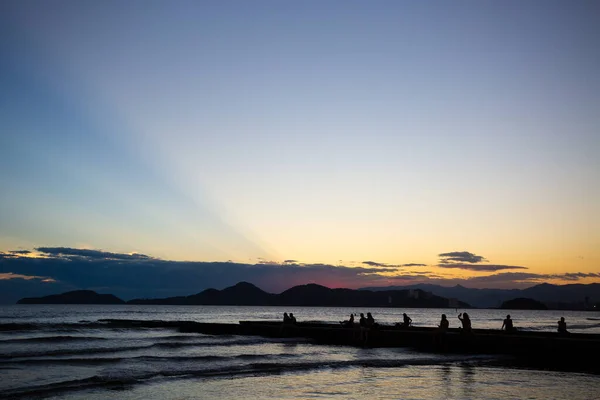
(74, 297)
(571, 296)
(242, 293)
(307, 295)
(522, 303)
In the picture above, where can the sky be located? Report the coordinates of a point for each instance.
(421, 141)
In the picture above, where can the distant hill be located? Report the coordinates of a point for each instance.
(245, 293)
(74, 297)
(317, 295)
(574, 296)
(522, 303)
(242, 293)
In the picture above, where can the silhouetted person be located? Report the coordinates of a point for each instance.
(466, 322)
(444, 324)
(439, 336)
(370, 320)
(406, 321)
(292, 319)
(348, 323)
(286, 318)
(562, 326)
(507, 325)
(362, 322)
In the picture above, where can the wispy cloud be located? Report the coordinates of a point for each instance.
(374, 264)
(4, 276)
(90, 254)
(531, 277)
(480, 267)
(460, 257)
(468, 261)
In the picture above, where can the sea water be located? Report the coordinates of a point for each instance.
(62, 352)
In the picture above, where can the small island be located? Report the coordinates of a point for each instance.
(522, 303)
(74, 297)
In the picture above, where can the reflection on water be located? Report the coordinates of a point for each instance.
(445, 379)
(468, 379)
(413, 382)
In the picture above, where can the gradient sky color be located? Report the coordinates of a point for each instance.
(317, 131)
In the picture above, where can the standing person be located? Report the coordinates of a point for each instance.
(439, 336)
(292, 319)
(562, 326)
(507, 325)
(363, 327)
(286, 318)
(465, 321)
(370, 320)
(444, 324)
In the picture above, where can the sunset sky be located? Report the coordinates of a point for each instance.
(460, 136)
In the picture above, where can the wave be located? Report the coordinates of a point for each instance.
(46, 339)
(584, 326)
(128, 378)
(84, 324)
(243, 341)
(68, 352)
(147, 359)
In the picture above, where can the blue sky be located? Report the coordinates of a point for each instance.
(323, 132)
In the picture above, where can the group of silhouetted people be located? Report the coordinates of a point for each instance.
(368, 322)
(289, 319)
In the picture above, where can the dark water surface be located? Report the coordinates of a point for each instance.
(60, 351)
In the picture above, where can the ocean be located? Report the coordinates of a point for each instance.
(66, 352)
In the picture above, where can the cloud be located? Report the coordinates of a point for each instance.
(90, 254)
(575, 276)
(20, 252)
(532, 278)
(378, 264)
(134, 275)
(374, 264)
(461, 257)
(480, 267)
(9, 275)
(508, 277)
(471, 262)
(414, 265)
(130, 276)
(290, 261)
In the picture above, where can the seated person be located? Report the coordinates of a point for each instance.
(286, 318)
(562, 326)
(466, 322)
(348, 323)
(507, 325)
(292, 319)
(406, 321)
